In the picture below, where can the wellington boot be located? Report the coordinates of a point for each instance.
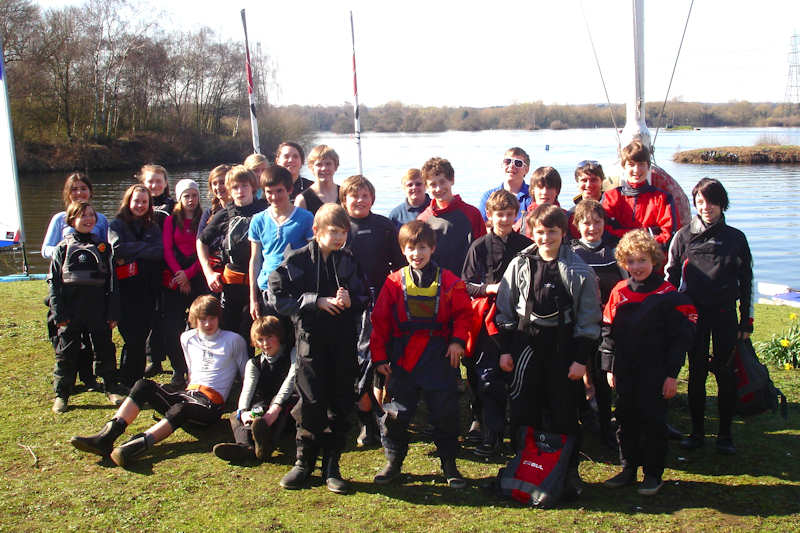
(234, 452)
(102, 442)
(262, 437)
(136, 445)
(391, 470)
(296, 477)
(331, 474)
(370, 435)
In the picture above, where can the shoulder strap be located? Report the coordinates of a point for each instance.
(525, 321)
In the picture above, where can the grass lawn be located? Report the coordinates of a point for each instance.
(181, 486)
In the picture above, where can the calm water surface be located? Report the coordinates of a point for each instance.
(764, 199)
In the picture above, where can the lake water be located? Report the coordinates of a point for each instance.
(764, 199)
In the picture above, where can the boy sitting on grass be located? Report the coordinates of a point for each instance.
(214, 358)
(268, 389)
(647, 328)
(419, 330)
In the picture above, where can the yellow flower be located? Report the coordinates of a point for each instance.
(785, 343)
(792, 316)
(787, 366)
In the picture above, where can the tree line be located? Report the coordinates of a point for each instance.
(103, 72)
(397, 117)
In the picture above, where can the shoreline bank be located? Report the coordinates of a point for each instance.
(740, 155)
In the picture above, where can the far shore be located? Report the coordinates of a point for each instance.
(740, 155)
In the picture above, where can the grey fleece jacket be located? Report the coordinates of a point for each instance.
(580, 281)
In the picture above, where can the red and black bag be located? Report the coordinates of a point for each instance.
(754, 388)
(537, 474)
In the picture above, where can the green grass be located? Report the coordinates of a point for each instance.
(181, 486)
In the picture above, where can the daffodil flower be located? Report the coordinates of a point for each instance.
(785, 343)
(792, 316)
(787, 366)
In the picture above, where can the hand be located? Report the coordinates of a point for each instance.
(343, 295)
(455, 352)
(255, 307)
(180, 278)
(272, 414)
(215, 282)
(329, 305)
(576, 371)
(506, 362)
(384, 369)
(185, 287)
(112, 324)
(744, 335)
(612, 381)
(670, 388)
(492, 288)
(246, 418)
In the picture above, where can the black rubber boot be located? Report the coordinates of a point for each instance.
(306, 457)
(370, 435)
(101, 443)
(331, 474)
(262, 437)
(297, 476)
(234, 452)
(391, 470)
(136, 445)
(454, 478)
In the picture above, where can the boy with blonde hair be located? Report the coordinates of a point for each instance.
(647, 328)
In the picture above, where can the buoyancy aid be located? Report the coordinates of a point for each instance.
(84, 263)
(421, 303)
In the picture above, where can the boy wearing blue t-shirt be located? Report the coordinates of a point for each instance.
(281, 228)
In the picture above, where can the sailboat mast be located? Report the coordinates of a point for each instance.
(635, 124)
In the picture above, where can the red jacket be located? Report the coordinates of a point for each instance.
(650, 209)
(455, 316)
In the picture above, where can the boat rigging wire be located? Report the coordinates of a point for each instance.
(600, 71)
(674, 67)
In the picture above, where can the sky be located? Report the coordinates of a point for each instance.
(503, 52)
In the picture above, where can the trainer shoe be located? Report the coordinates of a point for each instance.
(622, 479)
(650, 485)
(725, 446)
(692, 442)
(474, 434)
(59, 405)
(454, 478)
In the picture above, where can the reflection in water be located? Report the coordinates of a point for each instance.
(763, 198)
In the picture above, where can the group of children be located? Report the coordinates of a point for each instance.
(355, 311)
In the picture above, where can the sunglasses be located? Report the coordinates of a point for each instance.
(587, 163)
(519, 163)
